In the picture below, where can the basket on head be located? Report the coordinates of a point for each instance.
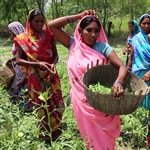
(107, 75)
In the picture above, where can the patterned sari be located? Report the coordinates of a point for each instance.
(98, 130)
(39, 81)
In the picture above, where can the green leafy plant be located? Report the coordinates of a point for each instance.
(19, 129)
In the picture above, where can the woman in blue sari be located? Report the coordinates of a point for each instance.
(141, 60)
(134, 29)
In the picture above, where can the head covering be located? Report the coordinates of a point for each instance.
(101, 38)
(16, 28)
(132, 34)
(82, 51)
(141, 18)
(30, 30)
(136, 28)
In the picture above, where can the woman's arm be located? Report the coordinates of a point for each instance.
(123, 70)
(57, 24)
(116, 62)
(21, 59)
(55, 54)
(129, 65)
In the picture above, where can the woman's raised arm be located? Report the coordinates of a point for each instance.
(56, 26)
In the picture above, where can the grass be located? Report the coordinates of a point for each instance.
(18, 130)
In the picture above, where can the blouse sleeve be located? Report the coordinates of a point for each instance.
(103, 48)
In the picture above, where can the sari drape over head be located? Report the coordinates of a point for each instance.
(132, 34)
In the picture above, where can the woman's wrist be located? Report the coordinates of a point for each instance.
(73, 18)
(117, 81)
(70, 18)
(129, 68)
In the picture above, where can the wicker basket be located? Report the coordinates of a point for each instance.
(107, 75)
(6, 75)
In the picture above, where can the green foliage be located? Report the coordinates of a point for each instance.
(134, 129)
(106, 10)
(19, 130)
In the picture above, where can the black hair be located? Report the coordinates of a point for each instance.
(131, 22)
(35, 12)
(87, 20)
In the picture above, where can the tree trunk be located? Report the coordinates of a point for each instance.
(109, 29)
(131, 8)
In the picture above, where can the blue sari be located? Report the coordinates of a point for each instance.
(132, 34)
(129, 38)
(141, 60)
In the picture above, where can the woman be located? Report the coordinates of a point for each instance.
(36, 51)
(134, 29)
(89, 43)
(140, 58)
(20, 79)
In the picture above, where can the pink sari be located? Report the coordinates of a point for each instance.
(98, 130)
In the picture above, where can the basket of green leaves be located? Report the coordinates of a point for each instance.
(98, 82)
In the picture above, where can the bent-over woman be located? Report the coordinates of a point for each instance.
(18, 89)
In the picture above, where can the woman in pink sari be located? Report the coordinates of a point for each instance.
(89, 44)
(36, 51)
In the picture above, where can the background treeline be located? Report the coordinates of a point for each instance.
(110, 12)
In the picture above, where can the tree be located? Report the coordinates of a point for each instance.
(18, 10)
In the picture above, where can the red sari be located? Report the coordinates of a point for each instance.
(38, 49)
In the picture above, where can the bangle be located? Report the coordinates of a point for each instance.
(68, 20)
(128, 67)
(119, 82)
(72, 18)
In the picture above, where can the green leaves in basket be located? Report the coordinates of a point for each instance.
(99, 88)
(134, 92)
(105, 90)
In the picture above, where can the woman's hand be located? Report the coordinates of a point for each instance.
(87, 12)
(146, 76)
(117, 90)
(47, 67)
(124, 51)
